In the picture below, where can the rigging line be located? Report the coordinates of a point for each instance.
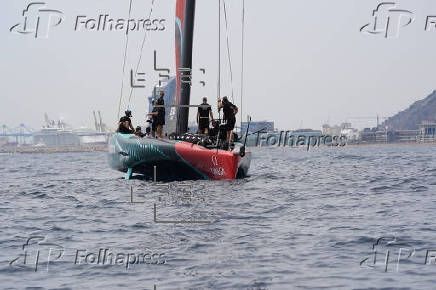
(142, 48)
(228, 49)
(219, 48)
(219, 55)
(124, 63)
(242, 55)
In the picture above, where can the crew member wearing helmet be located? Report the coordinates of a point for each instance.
(125, 124)
(139, 132)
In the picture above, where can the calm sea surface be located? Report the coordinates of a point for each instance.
(329, 218)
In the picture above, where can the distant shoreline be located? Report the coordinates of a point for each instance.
(103, 148)
(58, 149)
(395, 144)
(353, 145)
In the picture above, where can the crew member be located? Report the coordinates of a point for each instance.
(229, 111)
(215, 129)
(125, 124)
(150, 124)
(153, 120)
(204, 111)
(138, 132)
(160, 114)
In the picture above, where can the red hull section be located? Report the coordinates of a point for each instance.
(216, 164)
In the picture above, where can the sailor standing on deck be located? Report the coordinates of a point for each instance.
(229, 111)
(160, 114)
(204, 111)
(125, 124)
(153, 120)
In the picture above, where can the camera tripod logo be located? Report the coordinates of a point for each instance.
(33, 251)
(37, 20)
(387, 20)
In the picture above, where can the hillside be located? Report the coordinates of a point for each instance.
(422, 110)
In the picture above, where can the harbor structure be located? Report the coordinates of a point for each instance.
(55, 134)
(427, 130)
(258, 126)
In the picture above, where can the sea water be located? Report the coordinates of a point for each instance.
(352, 217)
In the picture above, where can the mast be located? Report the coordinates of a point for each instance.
(242, 57)
(219, 49)
(186, 63)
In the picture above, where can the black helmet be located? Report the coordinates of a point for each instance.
(128, 113)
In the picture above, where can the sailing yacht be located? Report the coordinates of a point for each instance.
(187, 156)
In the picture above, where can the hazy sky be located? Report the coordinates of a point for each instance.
(306, 62)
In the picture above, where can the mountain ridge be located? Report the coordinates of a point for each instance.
(408, 119)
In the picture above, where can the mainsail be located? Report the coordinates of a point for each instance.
(184, 32)
(180, 13)
(176, 92)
